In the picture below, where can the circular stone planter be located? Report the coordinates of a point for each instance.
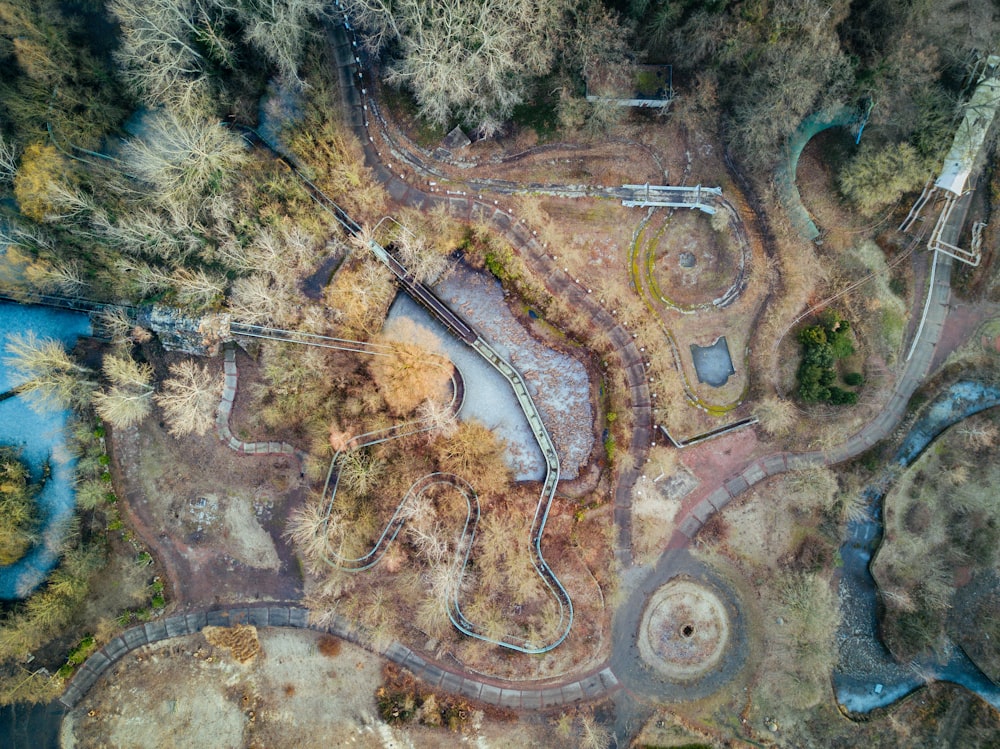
(684, 631)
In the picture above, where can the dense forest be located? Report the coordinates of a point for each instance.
(175, 205)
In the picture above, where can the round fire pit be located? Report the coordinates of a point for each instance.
(685, 630)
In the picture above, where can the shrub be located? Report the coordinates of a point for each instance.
(854, 379)
(822, 346)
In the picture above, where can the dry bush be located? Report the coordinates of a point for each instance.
(476, 454)
(329, 645)
(189, 398)
(775, 415)
(241, 641)
(360, 295)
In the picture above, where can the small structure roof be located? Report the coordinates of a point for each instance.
(971, 132)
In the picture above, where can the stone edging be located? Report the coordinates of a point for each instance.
(595, 685)
(225, 411)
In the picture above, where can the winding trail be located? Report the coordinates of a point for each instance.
(625, 662)
(624, 669)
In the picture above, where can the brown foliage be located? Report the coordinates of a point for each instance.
(241, 641)
(476, 454)
(41, 167)
(329, 646)
(415, 370)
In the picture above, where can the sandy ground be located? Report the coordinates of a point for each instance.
(186, 693)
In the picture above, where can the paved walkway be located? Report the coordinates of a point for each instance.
(493, 692)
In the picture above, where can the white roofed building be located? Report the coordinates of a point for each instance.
(971, 132)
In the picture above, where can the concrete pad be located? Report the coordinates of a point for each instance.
(298, 617)
(753, 474)
(259, 617)
(531, 699)
(134, 638)
(551, 697)
(397, 652)
(451, 682)
(703, 510)
(609, 679)
(414, 662)
(195, 621)
(774, 464)
(115, 649)
(217, 619)
(156, 631)
(719, 498)
(340, 627)
(592, 686)
(176, 626)
(490, 694)
(471, 689)
(572, 692)
(239, 615)
(737, 485)
(431, 674)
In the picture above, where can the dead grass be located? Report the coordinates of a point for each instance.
(942, 525)
(329, 645)
(240, 641)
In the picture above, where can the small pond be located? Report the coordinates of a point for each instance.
(558, 383)
(713, 363)
(42, 440)
(488, 396)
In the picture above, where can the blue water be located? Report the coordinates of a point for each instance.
(881, 681)
(713, 364)
(41, 438)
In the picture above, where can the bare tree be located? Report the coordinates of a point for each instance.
(46, 373)
(775, 415)
(424, 261)
(9, 153)
(197, 288)
(189, 398)
(183, 155)
(440, 417)
(166, 46)
(279, 28)
(129, 399)
(464, 59)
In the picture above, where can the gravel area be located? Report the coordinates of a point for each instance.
(557, 382)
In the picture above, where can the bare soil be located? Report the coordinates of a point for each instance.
(213, 516)
(187, 693)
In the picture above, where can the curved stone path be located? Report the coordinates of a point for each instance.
(594, 684)
(225, 410)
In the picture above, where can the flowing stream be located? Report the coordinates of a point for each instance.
(867, 676)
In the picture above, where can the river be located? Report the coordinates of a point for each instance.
(42, 440)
